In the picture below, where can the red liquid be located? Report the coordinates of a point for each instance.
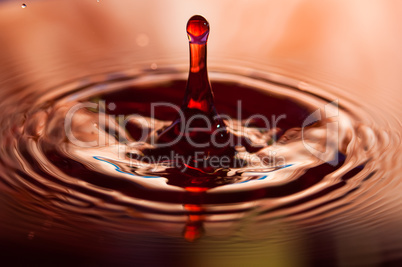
(201, 120)
(330, 219)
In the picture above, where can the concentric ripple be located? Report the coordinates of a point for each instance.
(325, 159)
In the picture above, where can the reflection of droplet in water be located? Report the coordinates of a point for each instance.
(142, 40)
(194, 227)
(23, 5)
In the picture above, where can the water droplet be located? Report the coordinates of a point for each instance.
(154, 66)
(198, 103)
(197, 29)
(142, 40)
(23, 5)
(111, 106)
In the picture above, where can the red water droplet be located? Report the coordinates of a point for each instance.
(197, 29)
(199, 123)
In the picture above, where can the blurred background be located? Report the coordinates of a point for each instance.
(353, 45)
